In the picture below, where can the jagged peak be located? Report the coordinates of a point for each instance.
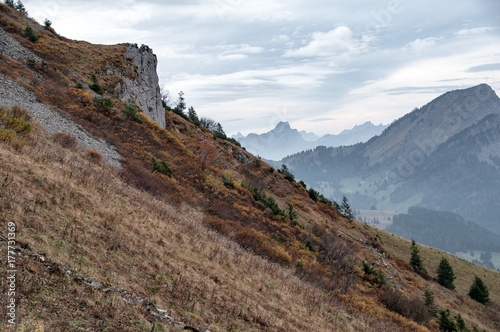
(282, 125)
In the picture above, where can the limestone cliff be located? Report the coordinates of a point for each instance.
(144, 89)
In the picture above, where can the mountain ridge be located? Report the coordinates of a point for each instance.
(393, 162)
(283, 140)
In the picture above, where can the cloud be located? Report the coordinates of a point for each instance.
(486, 67)
(327, 44)
(233, 56)
(473, 31)
(421, 45)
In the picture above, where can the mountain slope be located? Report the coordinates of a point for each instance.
(191, 223)
(431, 157)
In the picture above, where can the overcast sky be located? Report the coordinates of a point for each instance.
(323, 66)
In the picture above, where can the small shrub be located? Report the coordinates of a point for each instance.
(66, 140)
(132, 112)
(104, 104)
(15, 126)
(310, 246)
(414, 309)
(228, 183)
(93, 156)
(161, 166)
(95, 86)
(31, 61)
(47, 23)
(379, 275)
(79, 85)
(30, 34)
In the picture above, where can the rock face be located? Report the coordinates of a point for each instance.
(145, 89)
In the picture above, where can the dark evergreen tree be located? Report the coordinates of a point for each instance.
(20, 7)
(461, 327)
(415, 260)
(479, 292)
(10, 3)
(314, 195)
(445, 274)
(346, 209)
(429, 302)
(287, 174)
(445, 322)
(47, 23)
(181, 105)
(193, 116)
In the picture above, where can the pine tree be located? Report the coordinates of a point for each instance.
(445, 322)
(20, 7)
(346, 209)
(479, 292)
(193, 116)
(445, 274)
(461, 327)
(429, 302)
(181, 105)
(10, 3)
(415, 260)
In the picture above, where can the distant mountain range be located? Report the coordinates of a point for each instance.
(283, 140)
(444, 156)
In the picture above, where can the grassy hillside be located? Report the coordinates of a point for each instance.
(221, 239)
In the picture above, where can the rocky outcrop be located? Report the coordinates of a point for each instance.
(144, 89)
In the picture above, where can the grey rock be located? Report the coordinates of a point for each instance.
(96, 284)
(11, 48)
(12, 93)
(145, 90)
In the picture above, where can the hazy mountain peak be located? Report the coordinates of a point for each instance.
(284, 140)
(282, 126)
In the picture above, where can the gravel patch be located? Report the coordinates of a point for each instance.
(11, 48)
(12, 93)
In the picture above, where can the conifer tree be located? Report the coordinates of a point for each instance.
(21, 8)
(415, 260)
(479, 292)
(193, 116)
(429, 302)
(10, 3)
(445, 274)
(445, 322)
(181, 105)
(461, 327)
(346, 209)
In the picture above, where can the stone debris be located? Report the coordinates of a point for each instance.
(12, 94)
(131, 299)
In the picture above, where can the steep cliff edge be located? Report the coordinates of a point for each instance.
(145, 89)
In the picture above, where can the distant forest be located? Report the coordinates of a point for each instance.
(443, 230)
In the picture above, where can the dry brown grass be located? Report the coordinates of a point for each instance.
(487, 317)
(82, 215)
